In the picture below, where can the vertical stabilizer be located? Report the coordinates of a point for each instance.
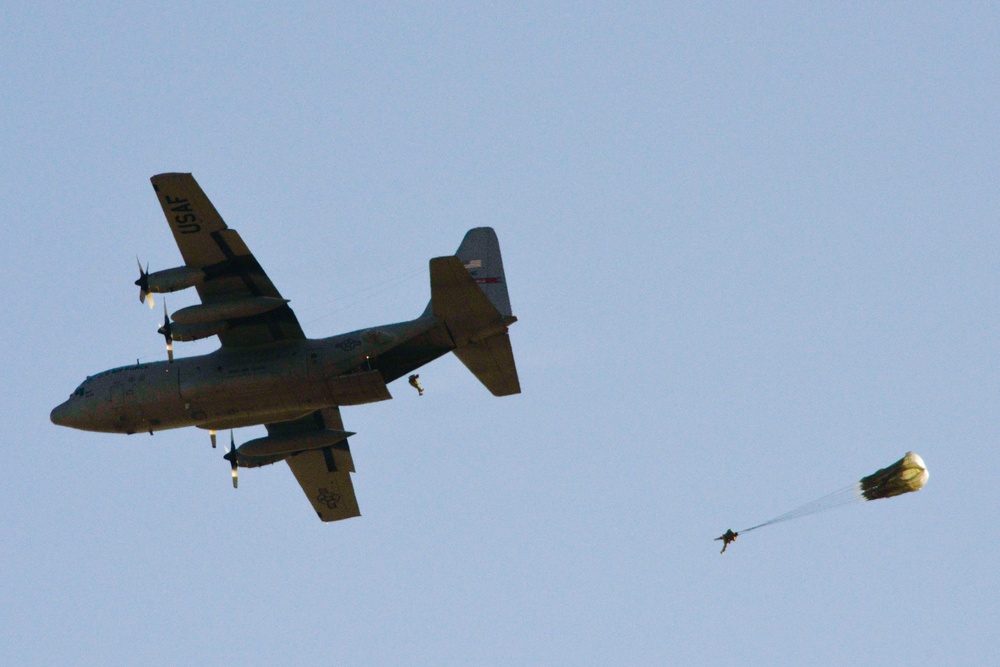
(480, 254)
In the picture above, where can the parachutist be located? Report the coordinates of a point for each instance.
(727, 537)
(414, 382)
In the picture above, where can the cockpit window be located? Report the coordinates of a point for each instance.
(79, 391)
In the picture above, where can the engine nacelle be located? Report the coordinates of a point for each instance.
(231, 309)
(172, 280)
(184, 333)
(275, 445)
(273, 448)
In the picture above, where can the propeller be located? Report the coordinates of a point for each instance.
(232, 457)
(165, 330)
(143, 284)
(211, 434)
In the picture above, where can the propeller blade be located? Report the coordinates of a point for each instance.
(143, 283)
(212, 435)
(165, 330)
(232, 460)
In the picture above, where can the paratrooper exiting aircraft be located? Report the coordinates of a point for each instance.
(267, 372)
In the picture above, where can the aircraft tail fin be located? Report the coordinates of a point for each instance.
(469, 295)
(480, 254)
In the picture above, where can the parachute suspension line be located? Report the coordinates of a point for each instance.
(845, 496)
(363, 294)
(906, 475)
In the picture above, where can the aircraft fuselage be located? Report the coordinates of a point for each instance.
(232, 388)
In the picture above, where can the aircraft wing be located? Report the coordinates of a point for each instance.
(231, 271)
(324, 474)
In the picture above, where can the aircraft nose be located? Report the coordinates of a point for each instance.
(60, 415)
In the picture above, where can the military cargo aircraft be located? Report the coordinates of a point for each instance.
(267, 372)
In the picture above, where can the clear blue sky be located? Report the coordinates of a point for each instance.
(754, 254)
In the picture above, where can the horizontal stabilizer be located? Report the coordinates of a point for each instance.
(457, 300)
(492, 362)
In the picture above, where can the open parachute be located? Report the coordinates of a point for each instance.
(906, 475)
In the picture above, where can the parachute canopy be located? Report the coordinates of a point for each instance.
(905, 475)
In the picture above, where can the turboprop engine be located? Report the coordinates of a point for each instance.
(284, 445)
(274, 448)
(230, 309)
(168, 280)
(210, 319)
(184, 333)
